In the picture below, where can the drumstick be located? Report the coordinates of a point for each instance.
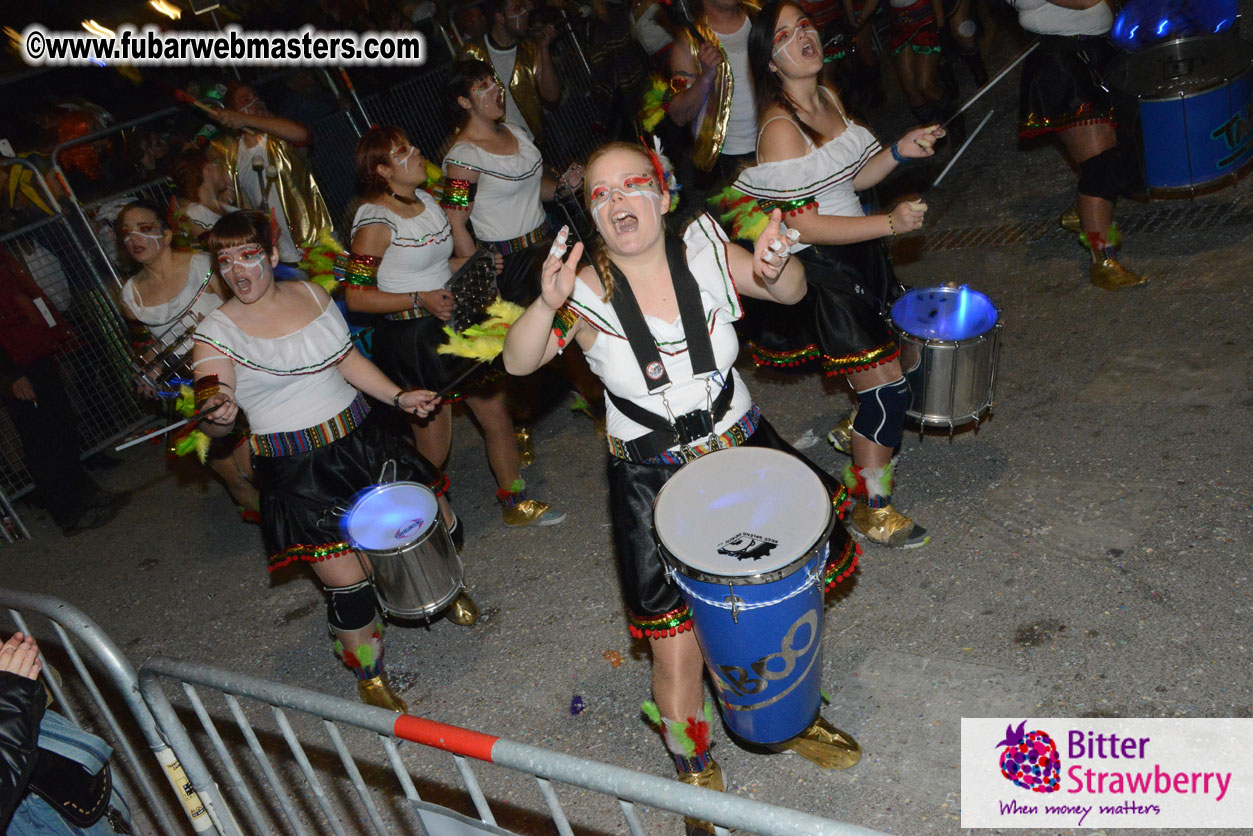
(453, 384)
(963, 147)
(193, 417)
(985, 88)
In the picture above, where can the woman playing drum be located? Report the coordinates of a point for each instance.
(812, 161)
(402, 259)
(496, 182)
(281, 351)
(672, 300)
(172, 292)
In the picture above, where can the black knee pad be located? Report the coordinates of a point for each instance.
(1102, 176)
(351, 607)
(881, 412)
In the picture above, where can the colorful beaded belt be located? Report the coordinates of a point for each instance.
(514, 245)
(734, 436)
(311, 438)
(402, 316)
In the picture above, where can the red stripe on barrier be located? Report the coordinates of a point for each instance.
(453, 739)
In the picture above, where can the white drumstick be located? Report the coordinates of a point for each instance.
(985, 88)
(964, 146)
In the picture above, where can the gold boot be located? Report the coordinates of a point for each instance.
(531, 512)
(841, 438)
(711, 779)
(1069, 220)
(526, 447)
(1108, 274)
(886, 527)
(825, 745)
(378, 692)
(463, 611)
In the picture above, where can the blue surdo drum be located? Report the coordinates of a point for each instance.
(1185, 103)
(744, 534)
(950, 345)
(404, 549)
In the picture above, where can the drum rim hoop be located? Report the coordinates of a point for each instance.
(996, 325)
(928, 342)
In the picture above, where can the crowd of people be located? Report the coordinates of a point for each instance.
(767, 101)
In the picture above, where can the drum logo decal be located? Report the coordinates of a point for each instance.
(654, 370)
(745, 546)
(409, 527)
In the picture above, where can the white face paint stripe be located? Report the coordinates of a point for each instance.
(403, 162)
(147, 235)
(597, 205)
(785, 43)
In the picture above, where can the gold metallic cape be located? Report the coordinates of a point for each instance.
(298, 193)
(522, 86)
(709, 128)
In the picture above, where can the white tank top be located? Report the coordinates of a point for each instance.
(742, 120)
(285, 383)
(417, 258)
(167, 319)
(507, 202)
(1045, 18)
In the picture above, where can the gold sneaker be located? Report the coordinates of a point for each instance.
(378, 692)
(463, 611)
(531, 512)
(526, 447)
(1069, 220)
(711, 779)
(886, 527)
(841, 438)
(1108, 274)
(825, 745)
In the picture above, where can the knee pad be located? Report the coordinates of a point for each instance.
(1102, 176)
(881, 412)
(351, 607)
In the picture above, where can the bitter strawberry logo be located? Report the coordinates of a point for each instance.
(1030, 759)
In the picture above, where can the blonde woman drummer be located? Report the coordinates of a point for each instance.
(281, 351)
(648, 296)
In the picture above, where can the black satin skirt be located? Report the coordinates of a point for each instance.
(300, 494)
(1062, 85)
(632, 490)
(519, 280)
(841, 324)
(406, 352)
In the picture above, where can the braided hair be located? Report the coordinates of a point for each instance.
(766, 82)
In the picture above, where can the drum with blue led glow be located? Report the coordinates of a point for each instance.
(412, 562)
(1185, 103)
(950, 344)
(744, 534)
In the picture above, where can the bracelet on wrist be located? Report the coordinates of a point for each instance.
(396, 398)
(891, 226)
(415, 300)
(896, 154)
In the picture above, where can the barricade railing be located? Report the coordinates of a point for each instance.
(95, 366)
(275, 809)
(84, 702)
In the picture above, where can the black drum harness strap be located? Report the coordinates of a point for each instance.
(679, 429)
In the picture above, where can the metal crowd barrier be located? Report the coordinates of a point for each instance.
(314, 799)
(95, 366)
(81, 699)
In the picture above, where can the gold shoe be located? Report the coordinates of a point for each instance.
(463, 611)
(526, 448)
(1069, 220)
(825, 745)
(711, 779)
(887, 527)
(531, 512)
(378, 692)
(841, 438)
(1108, 274)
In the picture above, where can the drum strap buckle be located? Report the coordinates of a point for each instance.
(735, 601)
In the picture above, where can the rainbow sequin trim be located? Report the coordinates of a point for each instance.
(676, 621)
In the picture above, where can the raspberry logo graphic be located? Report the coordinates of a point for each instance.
(1030, 759)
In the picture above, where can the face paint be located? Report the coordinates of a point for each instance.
(152, 231)
(481, 94)
(803, 30)
(517, 18)
(244, 257)
(400, 160)
(637, 192)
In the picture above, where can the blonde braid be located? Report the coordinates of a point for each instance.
(601, 262)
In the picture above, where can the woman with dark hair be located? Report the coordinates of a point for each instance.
(633, 286)
(401, 262)
(206, 193)
(169, 295)
(811, 162)
(281, 351)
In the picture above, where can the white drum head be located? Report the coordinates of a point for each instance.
(390, 516)
(741, 511)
